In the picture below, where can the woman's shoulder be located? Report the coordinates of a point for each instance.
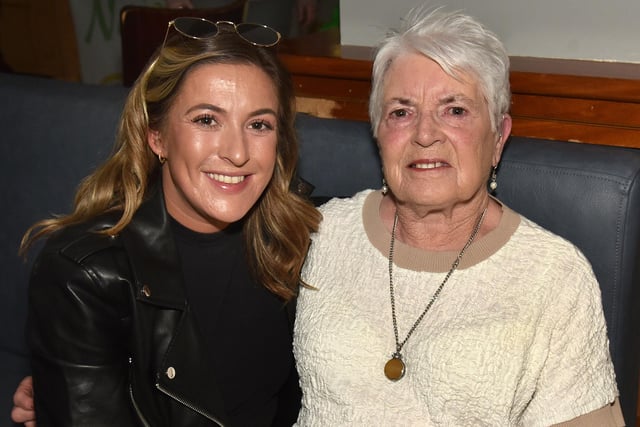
(538, 234)
(536, 241)
(341, 217)
(337, 207)
(78, 256)
(525, 228)
(77, 242)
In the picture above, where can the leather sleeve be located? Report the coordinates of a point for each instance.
(78, 330)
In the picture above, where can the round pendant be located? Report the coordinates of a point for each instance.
(394, 369)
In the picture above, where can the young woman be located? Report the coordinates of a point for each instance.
(161, 299)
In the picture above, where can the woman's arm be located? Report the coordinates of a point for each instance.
(78, 335)
(577, 377)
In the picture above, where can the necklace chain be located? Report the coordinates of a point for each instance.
(435, 295)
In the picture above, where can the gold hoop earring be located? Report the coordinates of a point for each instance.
(162, 159)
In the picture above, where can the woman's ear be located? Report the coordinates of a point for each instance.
(504, 130)
(155, 143)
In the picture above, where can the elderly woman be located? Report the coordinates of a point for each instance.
(430, 302)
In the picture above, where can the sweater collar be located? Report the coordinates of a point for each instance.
(411, 258)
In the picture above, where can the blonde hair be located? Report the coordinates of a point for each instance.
(277, 229)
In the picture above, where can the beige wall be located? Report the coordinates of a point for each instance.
(607, 30)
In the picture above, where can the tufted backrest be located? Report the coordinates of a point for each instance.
(54, 133)
(587, 194)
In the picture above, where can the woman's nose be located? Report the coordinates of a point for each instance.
(428, 131)
(234, 147)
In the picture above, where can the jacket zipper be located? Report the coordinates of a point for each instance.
(188, 405)
(141, 417)
(135, 406)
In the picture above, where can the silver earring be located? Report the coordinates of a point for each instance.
(385, 187)
(493, 184)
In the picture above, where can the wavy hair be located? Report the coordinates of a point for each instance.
(458, 43)
(277, 229)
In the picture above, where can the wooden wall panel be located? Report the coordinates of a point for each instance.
(336, 97)
(575, 110)
(576, 132)
(597, 110)
(578, 86)
(37, 37)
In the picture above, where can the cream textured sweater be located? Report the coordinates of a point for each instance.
(517, 336)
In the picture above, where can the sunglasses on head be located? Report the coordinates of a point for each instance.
(200, 29)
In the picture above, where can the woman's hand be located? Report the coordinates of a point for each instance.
(23, 411)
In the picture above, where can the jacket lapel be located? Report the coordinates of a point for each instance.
(164, 317)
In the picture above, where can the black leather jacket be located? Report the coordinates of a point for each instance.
(112, 340)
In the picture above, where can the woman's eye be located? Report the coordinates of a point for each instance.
(457, 111)
(205, 119)
(399, 113)
(261, 125)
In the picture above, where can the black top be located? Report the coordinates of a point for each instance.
(244, 326)
(115, 342)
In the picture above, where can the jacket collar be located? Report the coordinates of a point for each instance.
(152, 252)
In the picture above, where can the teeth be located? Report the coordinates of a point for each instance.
(226, 179)
(428, 165)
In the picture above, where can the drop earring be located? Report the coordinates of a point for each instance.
(493, 183)
(385, 188)
(162, 159)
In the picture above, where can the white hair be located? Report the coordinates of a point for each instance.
(455, 41)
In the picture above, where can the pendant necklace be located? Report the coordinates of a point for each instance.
(395, 368)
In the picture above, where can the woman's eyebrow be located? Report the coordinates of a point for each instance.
(399, 100)
(217, 109)
(261, 111)
(456, 97)
(205, 106)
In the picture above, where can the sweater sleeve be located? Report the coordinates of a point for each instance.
(607, 416)
(577, 377)
(78, 340)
